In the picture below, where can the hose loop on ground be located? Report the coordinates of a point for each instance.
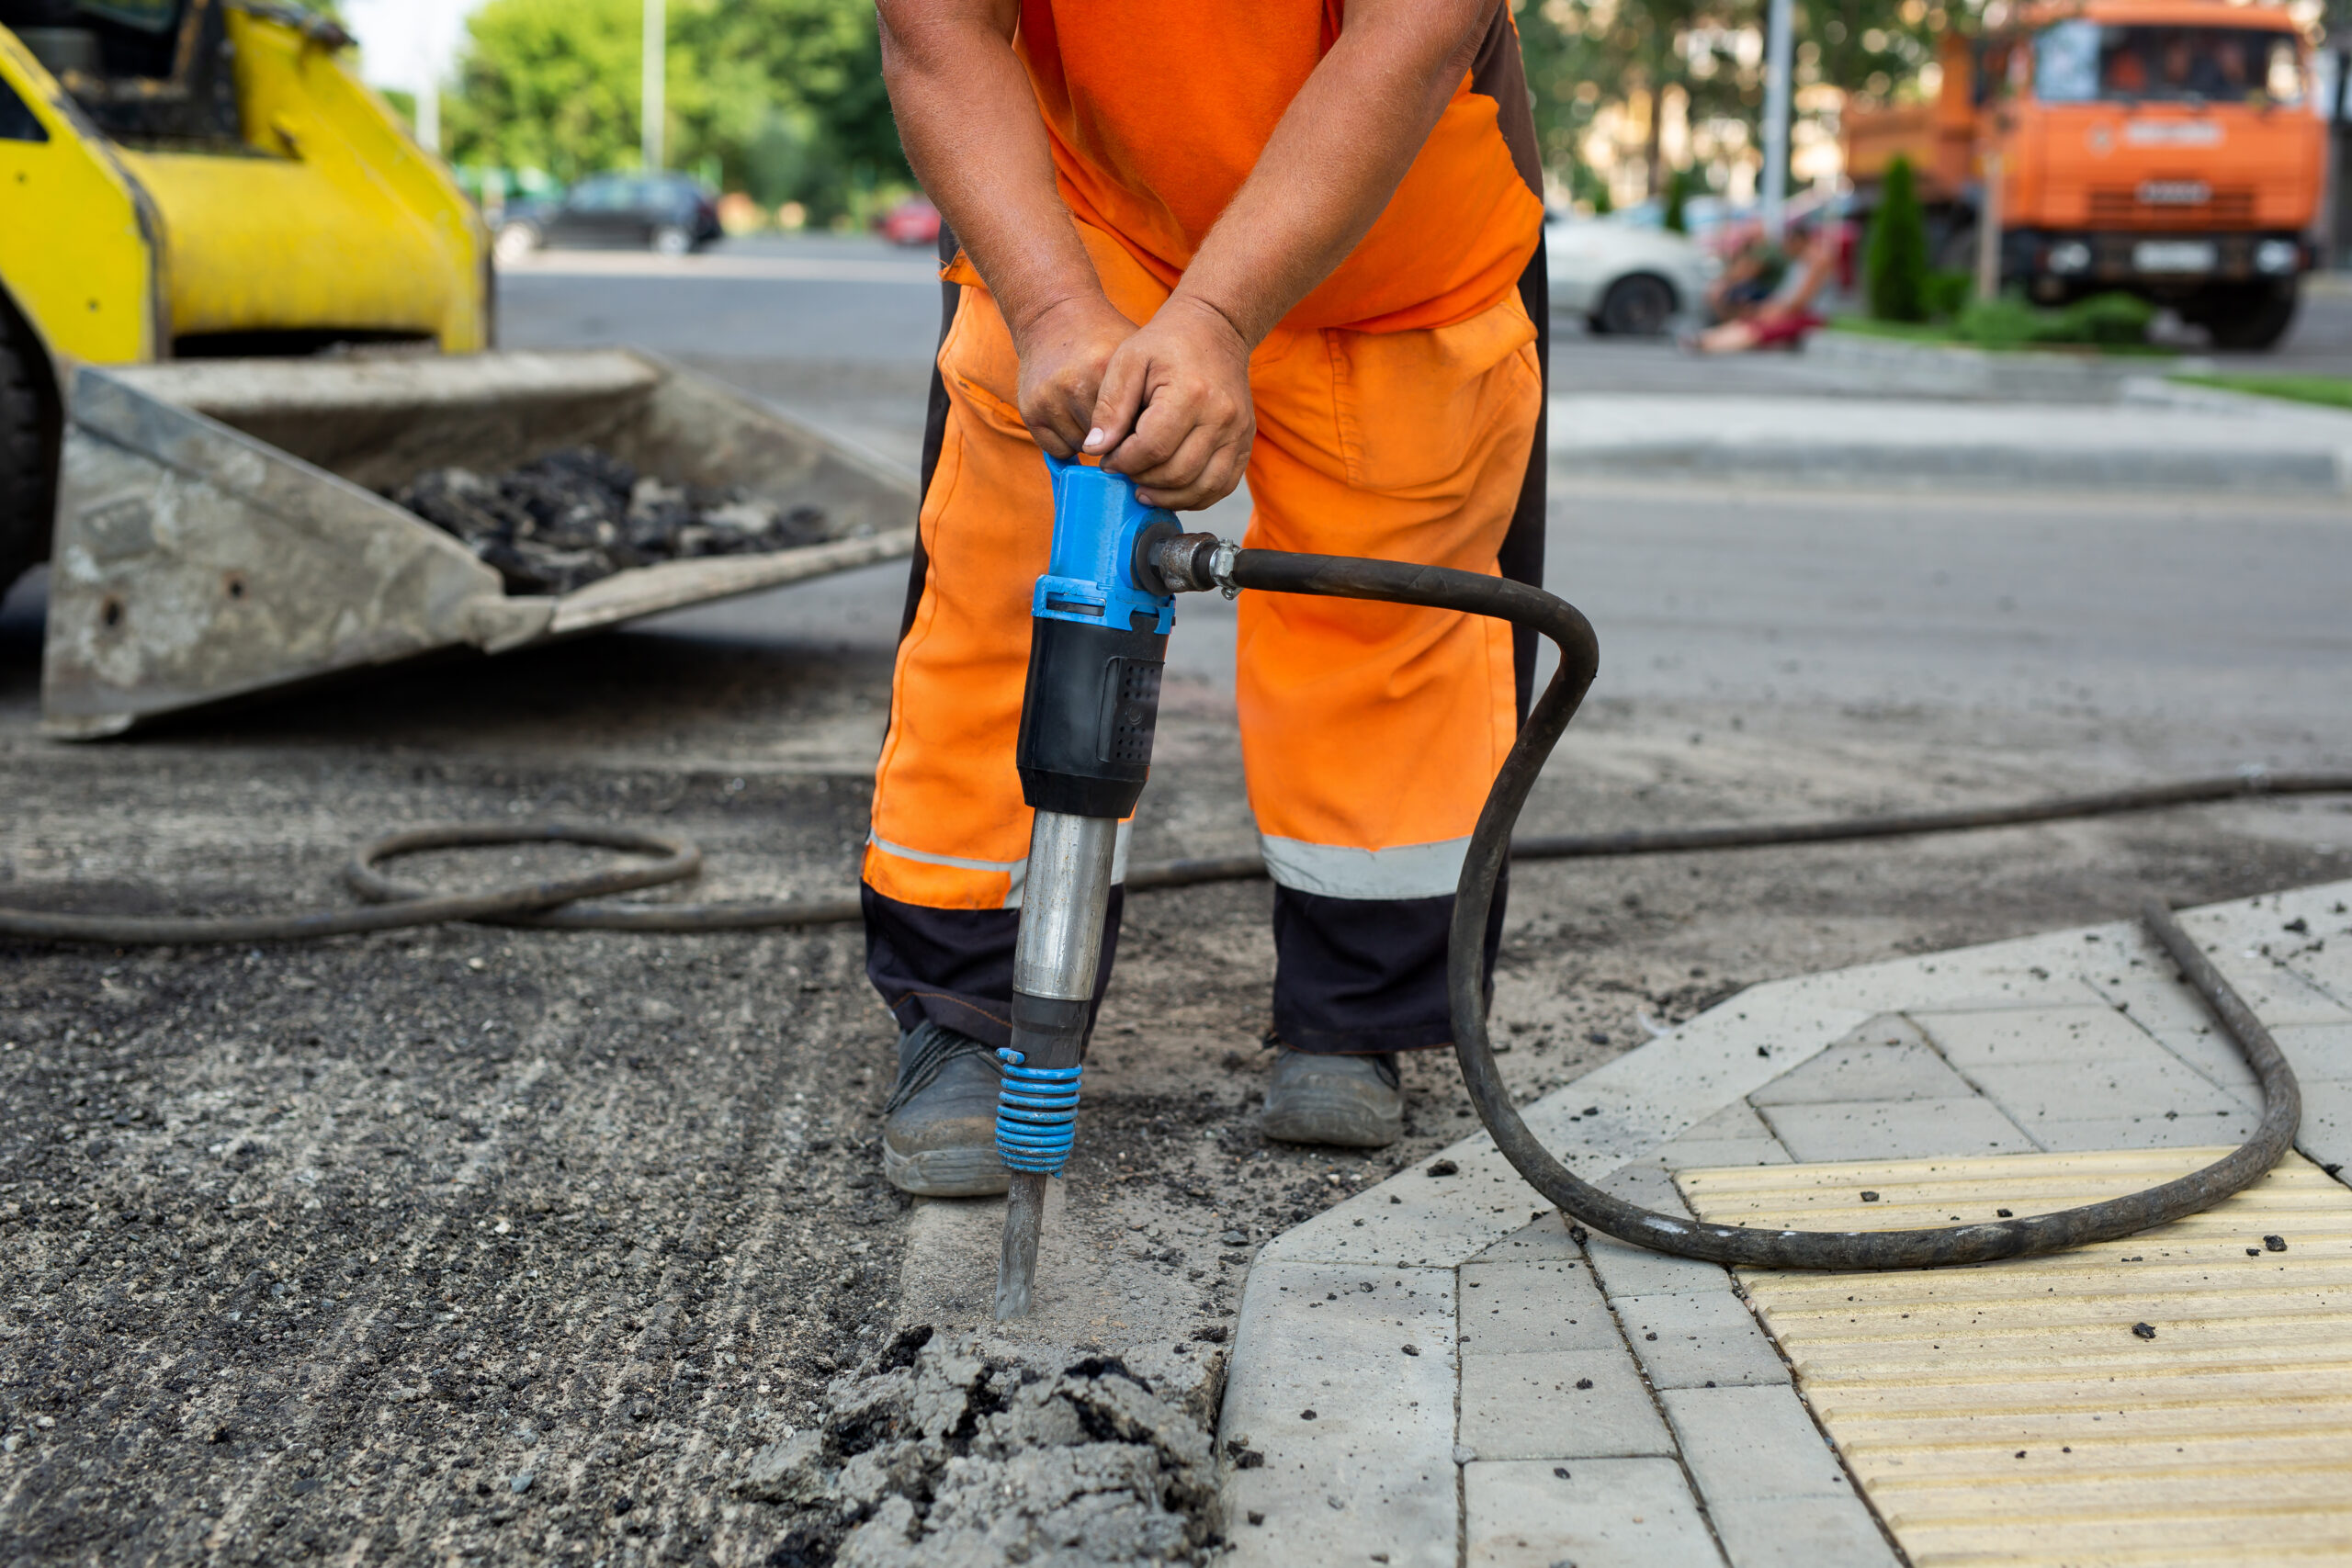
(1490, 847)
(1036, 1115)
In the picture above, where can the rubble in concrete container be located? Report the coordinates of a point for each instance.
(962, 1457)
(579, 514)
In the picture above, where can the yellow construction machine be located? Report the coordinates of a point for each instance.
(185, 178)
(207, 180)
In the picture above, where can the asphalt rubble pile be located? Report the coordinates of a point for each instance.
(962, 1457)
(579, 514)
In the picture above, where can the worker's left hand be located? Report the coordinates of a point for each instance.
(1174, 411)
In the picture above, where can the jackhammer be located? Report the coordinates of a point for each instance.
(1099, 620)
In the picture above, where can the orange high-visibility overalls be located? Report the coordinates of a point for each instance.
(1399, 414)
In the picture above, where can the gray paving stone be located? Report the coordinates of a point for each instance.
(2276, 993)
(1698, 1153)
(1701, 1340)
(1752, 1445)
(1803, 1532)
(1617, 1513)
(2320, 1053)
(2145, 1132)
(1374, 1471)
(2001, 1036)
(2148, 991)
(1647, 1184)
(2326, 1135)
(2330, 969)
(1508, 1309)
(1911, 1070)
(1736, 1121)
(1530, 1406)
(2214, 1054)
(1436, 1222)
(1542, 1240)
(1915, 1128)
(1627, 1271)
(2147, 1081)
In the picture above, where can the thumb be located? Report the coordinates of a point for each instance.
(1118, 401)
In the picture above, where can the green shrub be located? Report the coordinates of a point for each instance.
(2109, 319)
(2106, 320)
(1677, 217)
(1894, 264)
(1947, 294)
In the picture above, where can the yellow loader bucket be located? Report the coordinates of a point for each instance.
(223, 528)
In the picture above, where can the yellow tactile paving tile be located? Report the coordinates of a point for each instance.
(2178, 1400)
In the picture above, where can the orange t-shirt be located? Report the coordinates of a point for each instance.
(1157, 110)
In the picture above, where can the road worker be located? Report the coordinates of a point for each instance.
(1290, 240)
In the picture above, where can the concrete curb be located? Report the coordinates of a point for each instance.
(1919, 369)
(1400, 1443)
(2154, 439)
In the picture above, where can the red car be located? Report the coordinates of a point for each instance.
(914, 221)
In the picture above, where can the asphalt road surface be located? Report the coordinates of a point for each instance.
(501, 1246)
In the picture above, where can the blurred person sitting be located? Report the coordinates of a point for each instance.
(1785, 316)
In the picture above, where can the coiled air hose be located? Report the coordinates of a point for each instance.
(574, 903)
(1490, 847)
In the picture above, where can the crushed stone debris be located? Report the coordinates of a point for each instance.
(579, 514)
(960, 1455)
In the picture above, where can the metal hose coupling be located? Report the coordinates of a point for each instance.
(1192, 563)
(1036, 1115)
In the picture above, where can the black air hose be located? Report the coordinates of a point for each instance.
(570, 904)
(1490, 846)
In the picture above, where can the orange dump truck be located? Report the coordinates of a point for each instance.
(2160, 147)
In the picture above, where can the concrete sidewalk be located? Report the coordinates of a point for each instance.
(2207, 443)
(1438, 1373)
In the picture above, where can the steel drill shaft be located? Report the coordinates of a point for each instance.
(1064, 903)
(1024, 1222)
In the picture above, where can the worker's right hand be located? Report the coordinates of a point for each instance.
(1063, 353)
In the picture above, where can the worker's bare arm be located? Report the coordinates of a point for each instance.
(1174, 411)
(969, 123)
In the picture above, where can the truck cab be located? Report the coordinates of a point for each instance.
(2163, 148)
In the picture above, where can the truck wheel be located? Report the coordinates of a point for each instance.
(26, 470)
(1639, 306)
(2249, 317)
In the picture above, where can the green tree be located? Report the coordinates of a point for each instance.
(782, 98)
(1675, 218)
(547, 84)
(1895, 261)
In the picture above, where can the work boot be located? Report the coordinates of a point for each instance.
(1357, 1102)
(939, 1126)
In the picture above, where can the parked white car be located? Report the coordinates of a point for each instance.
(1625, 281)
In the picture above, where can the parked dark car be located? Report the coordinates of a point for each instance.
(667, 214)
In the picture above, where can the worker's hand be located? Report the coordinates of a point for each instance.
(1063, 353)
(1174, 414)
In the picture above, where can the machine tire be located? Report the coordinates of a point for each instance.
(27, 462)
(2246, 317)
(671, 240)
(1642, 305)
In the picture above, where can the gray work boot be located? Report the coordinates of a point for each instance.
(939, 1127)
(1356, 1102)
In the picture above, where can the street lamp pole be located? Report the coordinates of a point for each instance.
(1777, 49)
(657, 38)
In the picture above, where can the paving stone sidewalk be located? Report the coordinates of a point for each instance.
(1437, 1372)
